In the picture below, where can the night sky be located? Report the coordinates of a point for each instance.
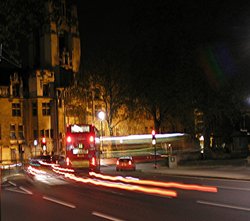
(224, 25)
(103, 24)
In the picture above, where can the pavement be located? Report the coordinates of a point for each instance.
(220, 172)
(237, 170)
(230, 169)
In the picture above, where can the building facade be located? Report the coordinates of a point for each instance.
(33, 109)
(12, 136)
(41, 105)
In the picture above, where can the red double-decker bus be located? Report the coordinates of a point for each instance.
(83, 147)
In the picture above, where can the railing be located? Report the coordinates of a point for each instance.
(7, 164)
(10, 167)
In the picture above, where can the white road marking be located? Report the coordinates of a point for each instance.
(16, 190)
(102, 215)
(59, 202)
(25, 190)
(12, 183)
(233, 188)
(198, 177)
(223, 205)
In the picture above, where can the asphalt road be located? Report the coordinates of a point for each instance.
(53, 198)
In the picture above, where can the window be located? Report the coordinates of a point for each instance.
(46, 133)
(59, 98)
(42, 133)
(34, 109)
(12, 132)
(51, 133)
(46, 109)
(15, 89)
(16, 109)
(20, 132)
(46, 90)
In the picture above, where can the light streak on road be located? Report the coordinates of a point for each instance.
(155, 183)
(148, 190)
(142, 137)
(57, 168)
(36, 172)
(44, 176)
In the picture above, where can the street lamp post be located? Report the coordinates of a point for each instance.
(154, 145)
(101, 116)
(35, 144)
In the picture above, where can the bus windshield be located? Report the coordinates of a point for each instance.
(80, 129)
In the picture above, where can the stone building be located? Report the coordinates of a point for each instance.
(33, 109)
(36, 107)
(54, 57)
(12, 136)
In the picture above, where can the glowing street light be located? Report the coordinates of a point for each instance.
(101, 115)
(35, 144)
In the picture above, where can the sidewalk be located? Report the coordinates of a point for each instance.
(6, 172)
(234, 169)
(222, 172)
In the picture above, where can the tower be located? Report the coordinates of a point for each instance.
(54, 57)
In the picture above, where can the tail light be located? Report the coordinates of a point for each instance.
(117, 162)
(93, 161)
(91, 139)
(67, 161)
(69, 139)
(129, 162)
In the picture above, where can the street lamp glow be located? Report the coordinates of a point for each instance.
(101, 115)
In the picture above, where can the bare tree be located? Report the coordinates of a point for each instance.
(109, 76)
(75, 103)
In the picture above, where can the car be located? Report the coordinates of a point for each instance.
(125, 163)
(38, 160)
(58, 159)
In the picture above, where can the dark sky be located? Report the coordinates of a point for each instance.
(103, 24)
(111, 24)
